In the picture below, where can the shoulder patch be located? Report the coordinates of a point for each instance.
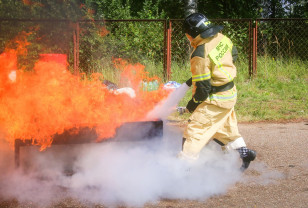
(199, 51)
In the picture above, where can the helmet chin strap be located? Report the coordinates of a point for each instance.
(189, 37)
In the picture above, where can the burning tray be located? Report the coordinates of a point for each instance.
(128, 132)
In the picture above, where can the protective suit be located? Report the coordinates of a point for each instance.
(214, 92)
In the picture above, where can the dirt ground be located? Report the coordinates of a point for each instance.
(277, 178)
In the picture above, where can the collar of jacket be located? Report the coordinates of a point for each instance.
(199, 41)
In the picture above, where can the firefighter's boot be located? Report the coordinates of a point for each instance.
(247, 156)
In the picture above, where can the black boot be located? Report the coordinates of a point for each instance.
(247, 156)
(183, 141)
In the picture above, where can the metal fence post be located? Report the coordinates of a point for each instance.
(167, 49)
(250, 48)
(254, 52)
(76, 48)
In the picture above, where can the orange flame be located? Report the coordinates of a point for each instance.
(49, 99)
(27, 2)
(31, 3)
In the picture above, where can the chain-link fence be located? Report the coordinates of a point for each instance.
(281, 39)
(256, 40)
(238, 30)
(39, 37)
(134, 40)
(180, 46)
(91, 45)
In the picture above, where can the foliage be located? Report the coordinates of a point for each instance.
(151, 10)
(229, 9)
(173, 9)
(120, 9)
(134, 41)
(131, 40)
(109, 9)
(254, 9)
(45, 35)
(47, 9)
(283, 39)
(283, 8)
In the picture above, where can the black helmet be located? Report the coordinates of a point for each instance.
(197, 23)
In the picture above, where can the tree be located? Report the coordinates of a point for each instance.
(229, 9)
(297, 8)
(44, 9)
(109, 9)
(191, 6)
(284, 8)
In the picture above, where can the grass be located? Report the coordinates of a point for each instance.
(279, 90)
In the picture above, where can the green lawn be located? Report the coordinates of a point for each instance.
(279, 91)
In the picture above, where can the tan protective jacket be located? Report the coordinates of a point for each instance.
(212, 59)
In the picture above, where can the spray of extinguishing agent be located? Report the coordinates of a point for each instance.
(167, 106)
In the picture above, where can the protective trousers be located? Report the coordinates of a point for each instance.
(209, 121)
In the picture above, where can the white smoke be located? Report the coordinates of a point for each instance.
(165, 108)
(265, 174)
(119, 173)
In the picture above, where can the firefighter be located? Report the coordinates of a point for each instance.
(214, 92)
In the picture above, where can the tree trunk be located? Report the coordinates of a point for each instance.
(190, 7)
(273, 8)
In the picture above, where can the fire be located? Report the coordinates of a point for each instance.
(31, 3)
(49, 99)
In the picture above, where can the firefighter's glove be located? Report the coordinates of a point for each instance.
(191, 106)
(189, 82)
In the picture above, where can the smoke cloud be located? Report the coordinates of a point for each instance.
(117, 173)
(266, 175)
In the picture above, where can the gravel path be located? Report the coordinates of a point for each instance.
(277, 178)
